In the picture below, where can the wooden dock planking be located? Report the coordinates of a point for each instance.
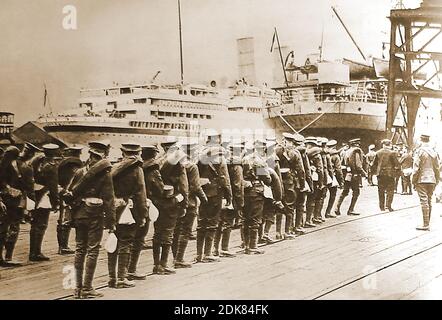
(326, 258)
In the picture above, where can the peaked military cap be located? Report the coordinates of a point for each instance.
(288, 136)
(212, 133)
(298, 138)
(149, 148)
(332, 143)
(51, 149)
(371, 147)
(131, 147)
(270, 143)
(312, 140)
(170, 142)
(353, 141)
(259, 143)
(386, 142)
(99, 147)
(322, 140)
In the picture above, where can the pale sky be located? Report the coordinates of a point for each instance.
(128, 41)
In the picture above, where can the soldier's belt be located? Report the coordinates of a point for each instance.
(93, 202)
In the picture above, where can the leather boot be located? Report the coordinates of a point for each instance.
(60, 239)
(165, 248)
(123, 261)
(200, 235)
(351, 209)
(288, 224)
(339, 203)
(253, 243)
(208, 243)
(32, 253)
(112, 268)
(176, 235)
(390, 197)
(38, 238)
(426, 220)
(156, 250)
(132, 273)
(225, 244)
(278, 226)
(88, 291)
(217, 240)
(65, 231)
(179, 261)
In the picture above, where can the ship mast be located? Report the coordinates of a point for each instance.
(181, 42)
(348, 32)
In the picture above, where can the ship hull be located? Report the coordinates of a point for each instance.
(339, 121)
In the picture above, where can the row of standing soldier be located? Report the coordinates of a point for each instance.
(222, 186)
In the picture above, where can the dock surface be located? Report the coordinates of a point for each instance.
(372, 256)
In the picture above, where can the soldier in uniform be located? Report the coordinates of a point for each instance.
(17, 181)
(174, 176)
(293, 181)
(66, 169)
(184, 226)
(426, 175)
(386, 167)
(328, 178)
(354, 170)
(130, 192)
(91, 198)
(156, 193)
(228, 215)
(47, 199)
(273, 204)
(335, 161)
(370, 158)
(301, 196)
(256, 175)
(317, 172)
(213, 169)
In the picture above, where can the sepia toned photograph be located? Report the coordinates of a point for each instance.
(207, 150)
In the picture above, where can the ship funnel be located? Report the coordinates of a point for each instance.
(246, 60)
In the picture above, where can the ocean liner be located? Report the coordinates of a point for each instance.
(150, 113)
(340, 100)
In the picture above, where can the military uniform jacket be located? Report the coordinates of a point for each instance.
(93, 181)
(255, 172)
(315, 158)
(47, 176)
(386, 163)
(219, 178)
(406, 161)
(66, 170)
(195, 189)
(234, 166)
(291, 158)
(370, 157)
(153, 181)
(176, 176)
(19, 176)
(336, 166)
(128, 179)
(328, 170)
(426, 166)
(306, 164)
(355, 160)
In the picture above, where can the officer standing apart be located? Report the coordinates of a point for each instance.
(91, 198)
(426, 175)
(131, 214)
(353, 160)
(386, 167)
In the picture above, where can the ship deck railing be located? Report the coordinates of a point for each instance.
(358, 95)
